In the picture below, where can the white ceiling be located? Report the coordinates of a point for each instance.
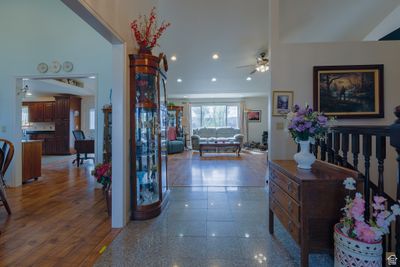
(331, 20)
(235, 29)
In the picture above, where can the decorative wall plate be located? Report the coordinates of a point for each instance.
(42, 67)
(68, 66)
(55, 66)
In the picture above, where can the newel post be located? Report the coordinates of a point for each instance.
(395, 142)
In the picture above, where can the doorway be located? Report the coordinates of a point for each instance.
(49, 111)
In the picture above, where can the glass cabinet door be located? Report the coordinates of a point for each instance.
(147, 156)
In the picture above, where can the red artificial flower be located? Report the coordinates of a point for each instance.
(146, 31)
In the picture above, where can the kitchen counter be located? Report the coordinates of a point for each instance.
(31, 159)
(40, 132)
(31, 141)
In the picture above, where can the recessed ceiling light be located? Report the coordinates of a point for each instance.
(28, 94)
(215, 56)
(214, 79)
(173, 58)
(179, 80)
(248, 78)
(92, 77)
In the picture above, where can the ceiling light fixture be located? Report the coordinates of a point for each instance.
(29, 94)
(92, 77)
(248, 78)
(215, 56)
(173, 58)
(214, 79)
(179, 80)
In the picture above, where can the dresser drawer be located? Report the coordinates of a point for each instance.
(285, 201)
(287, 184)
(290, 226)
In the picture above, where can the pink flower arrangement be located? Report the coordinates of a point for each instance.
(103, 172)
(353, 221)
(146, 30)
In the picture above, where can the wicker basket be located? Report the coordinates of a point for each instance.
(355, 253)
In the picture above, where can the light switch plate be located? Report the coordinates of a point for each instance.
(279, 126)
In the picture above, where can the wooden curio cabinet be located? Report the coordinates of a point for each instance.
(175, 115)
(148, 148)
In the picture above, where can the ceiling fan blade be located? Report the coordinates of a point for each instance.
(245, 66)
(254, 71)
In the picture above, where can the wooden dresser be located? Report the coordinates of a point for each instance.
(307, 202)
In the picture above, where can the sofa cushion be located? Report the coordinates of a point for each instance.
(171, 133)
(206, 132)
(226, 132)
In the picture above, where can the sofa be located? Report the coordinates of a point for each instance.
(225, 134)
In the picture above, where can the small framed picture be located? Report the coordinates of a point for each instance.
(254, 116)
(282, 102)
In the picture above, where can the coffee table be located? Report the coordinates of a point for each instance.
(216, 144)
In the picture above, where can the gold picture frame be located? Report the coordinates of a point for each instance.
(282, 102)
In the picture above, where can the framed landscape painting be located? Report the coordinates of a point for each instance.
(282, 102)
(254, 116)
(349, 91)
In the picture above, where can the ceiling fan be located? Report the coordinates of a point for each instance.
(262, 64)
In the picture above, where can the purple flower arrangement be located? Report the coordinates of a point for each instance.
(304, 123)
(353, 223)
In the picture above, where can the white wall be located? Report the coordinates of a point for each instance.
(292, 69)
(43, 31)
(256, 129)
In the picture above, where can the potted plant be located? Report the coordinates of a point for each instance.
(306, 125)
(103, 175)
(147, 31)
(359, 242)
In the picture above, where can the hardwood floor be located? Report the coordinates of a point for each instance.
(217, 169)
(59, 220)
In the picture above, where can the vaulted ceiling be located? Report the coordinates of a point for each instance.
(238, 31)
(235, 29)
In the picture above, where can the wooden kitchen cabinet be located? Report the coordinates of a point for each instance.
(48, 111)
(40, 111)
(31, 159)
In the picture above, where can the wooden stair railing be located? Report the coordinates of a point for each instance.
(343, 145)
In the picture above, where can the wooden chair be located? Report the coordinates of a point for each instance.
(6, 156)
(82, 146)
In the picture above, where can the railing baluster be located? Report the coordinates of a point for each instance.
(323, 150)
(367, 146)
(395, 142)
(345, 148)
(355, 149)
(315, 148)
(381, 156)
(329, 147)
(336, 147)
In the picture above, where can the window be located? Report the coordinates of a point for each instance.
(25, 116)
(219, 115)
(92, 119)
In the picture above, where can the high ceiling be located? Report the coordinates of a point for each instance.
(235, 29)
(310, 21)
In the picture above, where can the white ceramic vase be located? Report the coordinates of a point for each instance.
(304, 158)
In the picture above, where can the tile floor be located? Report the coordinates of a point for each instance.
(208, 226)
